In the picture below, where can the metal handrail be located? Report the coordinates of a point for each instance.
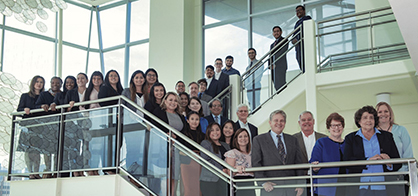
(355, 14)
(229, 88)
(145, 112)
(357, 51)
(257, 65)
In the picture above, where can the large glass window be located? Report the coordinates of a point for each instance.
(140, 20)
(138, 58)
(76, 22)
(255, 29)
(26, 56)
(73, 61)
(227, 40)
(114, 60)
(113, 22)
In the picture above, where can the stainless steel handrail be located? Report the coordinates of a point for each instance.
(229, 88)
(355, 14)
(267, 55)
(145, 112)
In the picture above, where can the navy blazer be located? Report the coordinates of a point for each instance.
(354, 150)
(27, 101)
(108, 91)
(44, 98)
(72, 95)
(223, 81)
(253, 129)
(210, 119)
(213, 88)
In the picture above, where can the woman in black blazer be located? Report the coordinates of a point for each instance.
(69, 84)
(26, 103)
(369, 143)
(155, 98)
(111, 87)
(77, 94)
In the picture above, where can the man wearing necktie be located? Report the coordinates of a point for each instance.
(216, 109)
(278, 61)
(276, 148)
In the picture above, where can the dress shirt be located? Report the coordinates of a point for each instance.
(276, 140)
(208, 80)
(217, 75)
(81, 98)
(309, 143)
(219, 119)
(231, 71)
(371, 148)
(246, 127)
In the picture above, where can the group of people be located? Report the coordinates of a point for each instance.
(378, 138)
(198, 116)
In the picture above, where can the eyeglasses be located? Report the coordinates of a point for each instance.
(216, 106)
(152, 75)
(336, 126)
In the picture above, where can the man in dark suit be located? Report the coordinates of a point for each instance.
(223, 82)
(216, 109)
(278, 65)
(202, 95)
(307, 137)
(212, 83)
(277, 148)
(242, 113)
(301, 14)
(223, 78)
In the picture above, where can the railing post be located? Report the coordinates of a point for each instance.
(12, 135)
(311, 180)
(413, 181)
(119, 134)
(231, 185)
(61, 142)
(169, 163)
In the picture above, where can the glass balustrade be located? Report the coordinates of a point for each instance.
(119, 139)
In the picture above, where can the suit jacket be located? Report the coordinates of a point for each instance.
(213, 89)
(302, 146)
(72, 95)
(354, 150)
(206, 175)
(162, 114)
(253, 129)
(108, 91)
(205, 97)
(223, 81)
(211, 119)
(265, 153)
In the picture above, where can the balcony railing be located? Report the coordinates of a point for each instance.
(117, 139)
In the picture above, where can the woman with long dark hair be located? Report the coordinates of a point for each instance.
(155, 98)
(228, 133)
(210, 184)
(190, 169)
(93, 89)
(151, 77)
(196, 105)
(135, 92)
(26, 103)
(111, 87)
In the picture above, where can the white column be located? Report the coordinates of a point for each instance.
(310, 67)
(175, 43)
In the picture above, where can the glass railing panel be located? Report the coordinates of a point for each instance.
(90, 140)
(341, 185)
(359, 39)
(35, 146)
(268, 77)
(144, 152)
(194, 174)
